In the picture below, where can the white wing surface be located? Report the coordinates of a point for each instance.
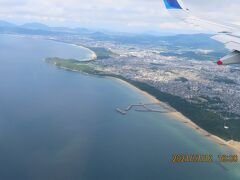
(227, 34)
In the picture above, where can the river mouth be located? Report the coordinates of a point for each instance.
(56, 124)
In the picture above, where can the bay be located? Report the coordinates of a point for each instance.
(58, 124)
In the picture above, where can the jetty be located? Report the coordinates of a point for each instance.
(147, 108)
(121, 111)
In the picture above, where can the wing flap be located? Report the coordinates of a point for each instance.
(225, 38)
(231, 41)
(233, 45)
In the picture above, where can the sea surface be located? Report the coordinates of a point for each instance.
(62, 125)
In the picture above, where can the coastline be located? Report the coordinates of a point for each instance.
(93, 54)
(234, 145)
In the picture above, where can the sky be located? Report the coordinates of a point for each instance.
(117, 15)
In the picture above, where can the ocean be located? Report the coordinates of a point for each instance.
(61, 125)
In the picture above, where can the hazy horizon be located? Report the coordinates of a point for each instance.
(124, 16)
(105, 30)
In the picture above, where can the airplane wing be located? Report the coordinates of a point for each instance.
(227, 34)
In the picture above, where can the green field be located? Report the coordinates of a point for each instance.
(72, 64)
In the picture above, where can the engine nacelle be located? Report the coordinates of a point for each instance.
(232, 58)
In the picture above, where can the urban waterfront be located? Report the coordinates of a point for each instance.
(58, 124)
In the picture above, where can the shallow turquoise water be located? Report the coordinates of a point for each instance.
(57, 124)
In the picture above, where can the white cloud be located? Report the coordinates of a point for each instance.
(113, 14)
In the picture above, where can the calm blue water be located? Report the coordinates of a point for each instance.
(62, 125)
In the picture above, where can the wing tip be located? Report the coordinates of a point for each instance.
(172, 4)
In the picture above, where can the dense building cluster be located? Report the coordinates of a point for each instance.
(194, 80)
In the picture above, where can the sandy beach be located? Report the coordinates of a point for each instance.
(234, 145)
(93, 55)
